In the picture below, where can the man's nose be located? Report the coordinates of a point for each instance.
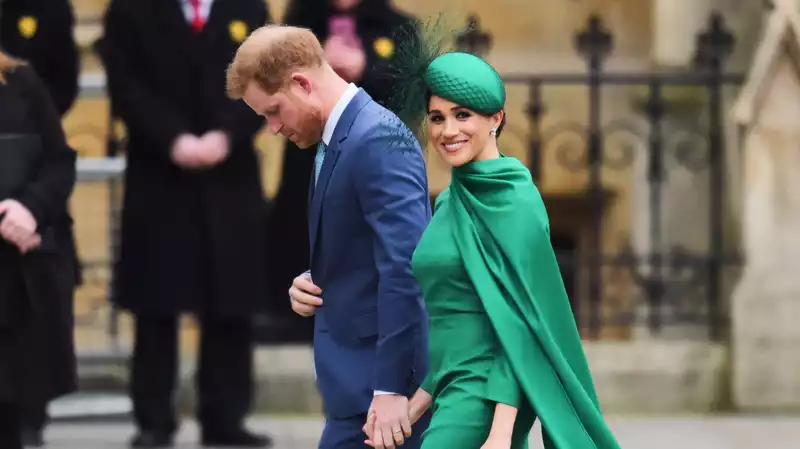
(274, 127)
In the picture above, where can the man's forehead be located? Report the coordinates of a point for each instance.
(272, 100)
(260, 99)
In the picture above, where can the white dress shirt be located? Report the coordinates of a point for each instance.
(188, 10)
(336, 113)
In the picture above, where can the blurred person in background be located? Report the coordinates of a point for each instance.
(194, 214)
(359, 41)
(40, 32)
(37, 355)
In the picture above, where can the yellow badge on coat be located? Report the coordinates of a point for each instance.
(238, 30)
(384, 47)
(27, 26)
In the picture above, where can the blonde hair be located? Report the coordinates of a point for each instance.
(7, 64)
(270, 55)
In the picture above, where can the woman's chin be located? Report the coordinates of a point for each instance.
(455, 159)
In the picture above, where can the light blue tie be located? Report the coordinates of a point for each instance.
(318, 159)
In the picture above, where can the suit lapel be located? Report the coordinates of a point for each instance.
(220, 12)
(315, 211)
(173, 19)
(317, 193)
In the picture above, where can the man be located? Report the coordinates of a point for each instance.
(194, 211)
(359, 40)
(40, 32)
(368, 207)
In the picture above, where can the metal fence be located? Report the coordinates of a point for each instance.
(674, 285)
(671, 283)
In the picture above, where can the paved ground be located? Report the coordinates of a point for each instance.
(633, 433)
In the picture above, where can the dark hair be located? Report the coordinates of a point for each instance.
(499, 127)
(502, 125)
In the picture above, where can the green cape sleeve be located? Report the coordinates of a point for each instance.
(503, 239)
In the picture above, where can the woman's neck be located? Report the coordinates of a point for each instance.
(489, 152)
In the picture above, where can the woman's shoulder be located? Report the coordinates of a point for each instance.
(441, 198)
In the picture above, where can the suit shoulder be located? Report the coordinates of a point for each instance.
(378, 137)
(46, 9)
(383, 124)
(254, 5)
(124, 8)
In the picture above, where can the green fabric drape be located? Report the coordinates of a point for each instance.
(503, 239)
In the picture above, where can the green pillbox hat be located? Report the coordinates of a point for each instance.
(466, 80)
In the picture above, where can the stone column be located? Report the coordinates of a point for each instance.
(766, 304)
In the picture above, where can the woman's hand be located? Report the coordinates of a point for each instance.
(417, 406)
(502, 430)
(497, 442)
(18, 226)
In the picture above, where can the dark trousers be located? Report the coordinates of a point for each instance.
(223, 379)
(10, 426)
(35, 417)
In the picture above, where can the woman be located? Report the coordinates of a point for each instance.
(504, 347)
(37, 361)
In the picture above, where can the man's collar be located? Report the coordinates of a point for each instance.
(336, 113)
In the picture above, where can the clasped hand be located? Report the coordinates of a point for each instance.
(192, 152)
(346, 56)
(304, 295)
(18, 226)
(388, 421)
(497, 442)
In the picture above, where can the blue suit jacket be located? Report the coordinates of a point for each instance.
(366, 216)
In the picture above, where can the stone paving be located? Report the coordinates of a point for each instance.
(735, 432)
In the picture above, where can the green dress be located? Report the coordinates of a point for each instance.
(501, 328)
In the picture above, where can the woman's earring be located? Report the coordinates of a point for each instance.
(493, 132)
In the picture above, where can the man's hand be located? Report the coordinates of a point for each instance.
(29, 244)
(391, 423)
(195, 153)
(214, 148)
(304, 295)
(185, 152)
(346, 57)
(369, 426)
(18, 226)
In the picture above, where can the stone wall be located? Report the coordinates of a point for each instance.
(653, 377)
(649, 375)
(646, 377)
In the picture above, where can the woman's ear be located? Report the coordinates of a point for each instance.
(497, 119)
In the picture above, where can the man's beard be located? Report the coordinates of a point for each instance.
(311, 127)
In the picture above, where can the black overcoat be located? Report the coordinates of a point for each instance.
(40, 32)
(192, 241)
(37, 354)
